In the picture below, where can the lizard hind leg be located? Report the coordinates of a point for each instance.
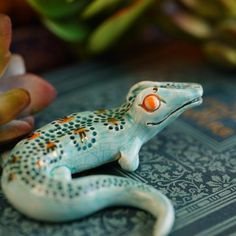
(61, 172)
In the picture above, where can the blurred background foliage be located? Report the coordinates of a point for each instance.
(210, 23)
(97, 26)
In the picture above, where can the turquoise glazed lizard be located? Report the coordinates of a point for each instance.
(37, 173)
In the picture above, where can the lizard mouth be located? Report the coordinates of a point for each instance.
(192, 103)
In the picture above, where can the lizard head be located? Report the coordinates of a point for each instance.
(156, 104)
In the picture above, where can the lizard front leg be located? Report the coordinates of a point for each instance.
(129, 157)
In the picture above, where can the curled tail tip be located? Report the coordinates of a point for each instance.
(155, 202)
(165, 216)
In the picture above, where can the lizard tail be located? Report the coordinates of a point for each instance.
(59, 200)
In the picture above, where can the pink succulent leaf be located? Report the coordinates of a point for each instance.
(16, 66)
(20, 94)
(41, 92)
(29, 120)
(5, 40)
(14, 129)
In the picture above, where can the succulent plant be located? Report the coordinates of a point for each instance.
(212, 23)
(95, 26)
(21, 94)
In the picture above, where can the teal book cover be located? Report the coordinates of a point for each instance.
(193, 161)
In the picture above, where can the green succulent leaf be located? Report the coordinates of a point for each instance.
(58, 8)
(227, 30)
(205, 8)
(228, 7)
(70, 30)
(98, 6)
(112, 28)
(221, 54)
(191, 24)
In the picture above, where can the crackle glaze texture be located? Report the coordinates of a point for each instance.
(37, 174)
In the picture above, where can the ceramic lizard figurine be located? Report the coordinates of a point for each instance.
(37, 178)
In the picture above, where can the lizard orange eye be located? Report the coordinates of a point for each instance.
(151, 103)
